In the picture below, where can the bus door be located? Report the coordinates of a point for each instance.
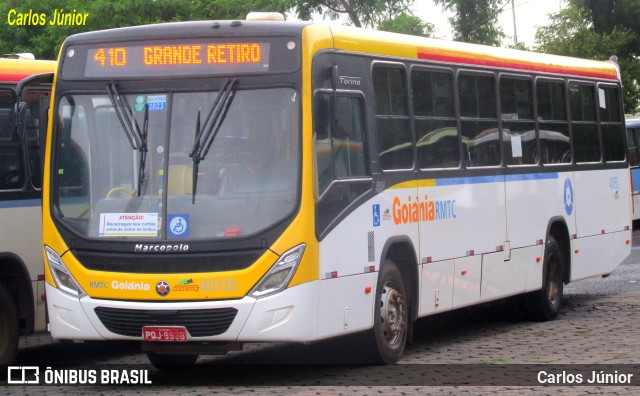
(33, 95)
(32, 104)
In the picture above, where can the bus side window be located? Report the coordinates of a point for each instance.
(586, 140)
(340, 150)
(435, 122)
(11, 172)
(552, 123)
(479, 123)
(612, 123)
(395, 146)
(518, 127)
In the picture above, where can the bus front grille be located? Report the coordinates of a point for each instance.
(167, 263)
(199, 322)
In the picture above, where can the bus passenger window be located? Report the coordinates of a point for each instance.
(552, 123)
(480, 136)
(435, 122)
(340, 150)
(586, 139)
(612, 123)
(518, 127)
(395, 146)
(11, 172)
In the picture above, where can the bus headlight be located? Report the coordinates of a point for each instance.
(61, 274)
(278, 277)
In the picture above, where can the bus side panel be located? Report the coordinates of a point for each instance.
(437, 287)
(602, 201)
(602, 204)
(592, 256)
(346, 304)
(466, 281)
(345, 250)
(468, 217)
(503, 278)
(533, 199)
(621, 247)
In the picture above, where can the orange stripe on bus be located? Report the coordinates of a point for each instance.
(14, 77)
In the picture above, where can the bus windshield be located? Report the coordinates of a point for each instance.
(115, 183)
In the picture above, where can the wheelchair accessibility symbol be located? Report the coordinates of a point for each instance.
(178, 226)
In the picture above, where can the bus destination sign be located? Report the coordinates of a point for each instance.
(175, 59)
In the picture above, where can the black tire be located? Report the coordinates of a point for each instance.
(9, 331)
(171, 362)
(391, 319)
(544, 304)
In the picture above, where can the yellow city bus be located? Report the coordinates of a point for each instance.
(24, 101)
(214, 183)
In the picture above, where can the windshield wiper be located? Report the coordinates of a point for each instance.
(137, 139)
(143, 149)
(206, 134)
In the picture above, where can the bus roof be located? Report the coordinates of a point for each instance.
(413, 47)
(372, 42)
(188, 29)
(14, 70)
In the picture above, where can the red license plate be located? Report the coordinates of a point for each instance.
(164, 333)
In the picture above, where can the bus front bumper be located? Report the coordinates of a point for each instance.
(287, 316)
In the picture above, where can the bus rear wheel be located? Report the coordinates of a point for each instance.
(8, 327)
(544, 304)
(391, 319)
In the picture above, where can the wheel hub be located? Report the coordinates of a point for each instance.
(392, 314)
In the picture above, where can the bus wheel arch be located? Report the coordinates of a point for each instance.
(395, 301)
(544, 304)
(558, 229)
(400, 250)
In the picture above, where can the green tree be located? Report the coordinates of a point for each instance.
(572, 31)
(361, 13)
(475, 21)
(45, 41)
(408, 24)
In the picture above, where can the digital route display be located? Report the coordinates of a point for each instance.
(205, 57)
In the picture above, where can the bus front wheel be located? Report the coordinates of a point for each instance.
(391, 319)
(8, 327)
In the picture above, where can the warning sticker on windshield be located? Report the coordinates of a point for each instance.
(128, 224)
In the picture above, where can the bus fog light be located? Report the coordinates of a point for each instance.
(63, 278)
(278, 277)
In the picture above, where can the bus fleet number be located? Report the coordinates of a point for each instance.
(224, 285)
